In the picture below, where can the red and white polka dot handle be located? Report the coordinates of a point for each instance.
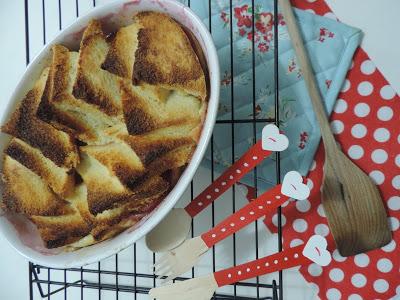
(256, 209)
(314, 250)
(272, 140)
(235, 172)
(291, 187)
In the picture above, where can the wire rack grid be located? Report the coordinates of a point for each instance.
(123, 275)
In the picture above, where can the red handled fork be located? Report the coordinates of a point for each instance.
(203, 288)
(183, 258)
(174, 229)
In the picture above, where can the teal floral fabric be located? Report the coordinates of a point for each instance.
(330, 45)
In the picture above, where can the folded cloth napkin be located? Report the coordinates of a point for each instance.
(331, 46)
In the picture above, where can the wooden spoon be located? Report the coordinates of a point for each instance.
(352, 203)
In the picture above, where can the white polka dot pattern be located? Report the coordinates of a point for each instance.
(384, 265)
(359, 280)
(359, 131)
(333, 294)
(385, 113)
(365, 122)
(381, 285)
(365, 88)
(387, 92)
(336, 275)
(381, 135)
(356, 152)
(300, 225)
(340, 106)
(362, 110)
(361, 260)
(314, 270)
(377, 176)
(368, 67)
(337, 126)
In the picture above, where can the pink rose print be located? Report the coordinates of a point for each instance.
(263, 47)
(281, 20)
(303, 136)
(227, 79)
(258, 111)
(268, 37)
(303, 140)
(225, 18)
(243, 16)
(263, 25)
(324, 33)
(292, 68)
(328, 83)
(264, 22)
(256, 37)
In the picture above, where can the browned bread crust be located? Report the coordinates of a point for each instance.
(146, 108)
(93, 84)
(120, 160)
(61, 180)
(112, 221)
(121, 55)
(134, 107)
(163, 55)
(61, 230)
(105, 190)
(56, 145)
(85, 120)
(25, 192)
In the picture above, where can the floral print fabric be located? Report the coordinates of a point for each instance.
(247, 85)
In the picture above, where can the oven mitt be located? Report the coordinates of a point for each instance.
(331, 46)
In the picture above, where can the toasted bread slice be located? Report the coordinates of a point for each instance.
(56, 145)
(164, 55)
(87, 122)
(173, 175)
(171, 160)
(121, 55)
(93, 84)
(60, 179)
(104, 188)
(61, 230)
(25, 192)
(128, 158)
(150, 146)
(112, 221)
(120, 160)
(146, 110)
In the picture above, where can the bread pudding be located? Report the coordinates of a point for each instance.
(105, 133)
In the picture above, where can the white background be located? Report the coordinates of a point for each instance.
(378, 19)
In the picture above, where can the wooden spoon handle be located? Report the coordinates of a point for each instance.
(308, 73)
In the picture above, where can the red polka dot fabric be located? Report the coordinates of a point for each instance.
(367, 125)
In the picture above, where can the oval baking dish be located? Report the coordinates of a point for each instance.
(17, 229)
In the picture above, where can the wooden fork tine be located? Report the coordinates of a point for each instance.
(165, 271)
(161, 264)
(168, 279)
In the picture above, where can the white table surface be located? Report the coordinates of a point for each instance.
(378, 19)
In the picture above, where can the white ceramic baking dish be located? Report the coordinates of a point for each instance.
(17, 229)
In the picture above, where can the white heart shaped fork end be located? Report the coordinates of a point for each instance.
(316, 250)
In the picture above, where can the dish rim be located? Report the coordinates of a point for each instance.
(102, 250)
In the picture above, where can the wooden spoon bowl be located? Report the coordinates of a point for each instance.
(352, 203)
(353, 206)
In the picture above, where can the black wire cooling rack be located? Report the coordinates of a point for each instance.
(102, 282)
